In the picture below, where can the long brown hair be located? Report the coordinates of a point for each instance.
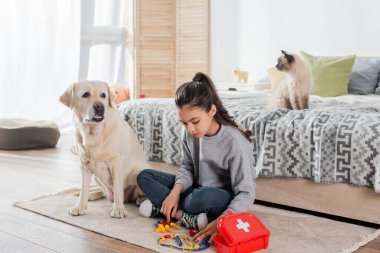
(201, 92)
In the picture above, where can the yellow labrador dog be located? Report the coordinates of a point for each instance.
(107, 146)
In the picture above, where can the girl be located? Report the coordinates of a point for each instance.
(217, 170)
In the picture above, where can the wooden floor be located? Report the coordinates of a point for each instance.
(27, 174)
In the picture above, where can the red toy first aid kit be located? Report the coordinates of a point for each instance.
(241, 233)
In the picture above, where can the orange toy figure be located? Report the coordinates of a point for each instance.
(164, 226)
(121, 93)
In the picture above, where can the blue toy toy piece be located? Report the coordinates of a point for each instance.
(202, 245)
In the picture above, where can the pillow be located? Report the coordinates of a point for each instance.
(16, 134)
(377, 91)
(364, 76)
(275, 76)
(329, 75)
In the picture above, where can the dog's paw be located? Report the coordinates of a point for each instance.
(118, 213)
(76, 211)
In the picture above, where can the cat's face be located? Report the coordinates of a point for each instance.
(285, 61)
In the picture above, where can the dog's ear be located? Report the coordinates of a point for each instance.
(67, 97)
(111, 96)
(283, 52)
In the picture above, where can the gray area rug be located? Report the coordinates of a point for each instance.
(290, 231)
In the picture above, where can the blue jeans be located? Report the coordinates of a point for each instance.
(195, 200)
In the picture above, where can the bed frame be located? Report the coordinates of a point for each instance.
(358, 203)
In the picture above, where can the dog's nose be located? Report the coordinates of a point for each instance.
(99, 106)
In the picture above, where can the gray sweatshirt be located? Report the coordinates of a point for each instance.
(224, 160)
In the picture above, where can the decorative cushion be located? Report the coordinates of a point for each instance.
(275, 76)
(329, 75)
(377, 91)
(365, 76)
(18, 134)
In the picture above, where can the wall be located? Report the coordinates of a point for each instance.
(263, 27)
(224, 39)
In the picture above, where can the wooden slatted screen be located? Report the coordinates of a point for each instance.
(130, 46)
(192, 39)
(170, 40)
(155, 47)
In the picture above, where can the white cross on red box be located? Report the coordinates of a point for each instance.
(243, 225)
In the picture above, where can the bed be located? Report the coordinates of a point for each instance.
(336, 141)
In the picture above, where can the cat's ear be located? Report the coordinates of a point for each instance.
(288, 57)
(285, 54)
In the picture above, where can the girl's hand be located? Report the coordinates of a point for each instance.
(210, 230)
(170, 205)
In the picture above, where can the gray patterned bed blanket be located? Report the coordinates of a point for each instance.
(336, 140)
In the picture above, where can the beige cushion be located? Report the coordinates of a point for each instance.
(275, 76)
(18, 134)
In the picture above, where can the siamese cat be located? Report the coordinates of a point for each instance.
(293, 90)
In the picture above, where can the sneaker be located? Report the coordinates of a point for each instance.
(147, 209)
(197, 221)
(139, 200)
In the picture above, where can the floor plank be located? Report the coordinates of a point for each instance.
(115, 244)
(12, 243)
(33, 249)
(47, 237)
(375, 244)
(367, 250)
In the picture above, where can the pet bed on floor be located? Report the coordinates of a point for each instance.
(16, 134)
